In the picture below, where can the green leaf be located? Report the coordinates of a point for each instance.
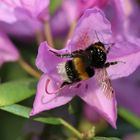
(16, 91)
(130, 117)
(12, 71)
(11, 126)
(25, 111)
(54, 4)
(104, 138)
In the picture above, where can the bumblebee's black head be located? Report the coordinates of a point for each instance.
(99, 44)
(97, 54)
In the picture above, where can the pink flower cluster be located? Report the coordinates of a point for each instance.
(113, 21)
(20, 17)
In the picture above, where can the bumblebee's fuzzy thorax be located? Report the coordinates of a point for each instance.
(97, 54)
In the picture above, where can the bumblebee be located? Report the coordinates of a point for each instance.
(84, 64)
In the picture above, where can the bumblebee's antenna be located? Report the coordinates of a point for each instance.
(97, 36)
(112, 44)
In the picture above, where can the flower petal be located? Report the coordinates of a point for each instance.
(34, 8)
(45, 101)
(6, 14)
(92, 94)
(8, 51)
(128, 52)
(91, 114)
(23, 17)
(129, 11)
(59, 18)
(128, 94)
(85, 4)
(93, 21)
(45, 57)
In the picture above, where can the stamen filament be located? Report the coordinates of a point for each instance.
(72, 27)
(28, 68)
(39, 37)
(48, 34)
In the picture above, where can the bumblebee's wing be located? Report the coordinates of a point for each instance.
(104, 82)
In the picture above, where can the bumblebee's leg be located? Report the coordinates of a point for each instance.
(65, 83)
(108, 49)
(68, 55)
(111, 63)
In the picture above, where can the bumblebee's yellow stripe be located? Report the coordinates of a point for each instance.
(80, 68)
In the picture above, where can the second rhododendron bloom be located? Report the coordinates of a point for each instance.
(22, 10)
(8, 51)
(23, 17)
(92, 28)
(69, 12)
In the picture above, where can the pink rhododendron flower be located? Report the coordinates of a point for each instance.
(74, 9)
(25, 17)
(85, 4)
(8, 51)
(91, 114)
(123, 16)
(128, 95)
(128, 12)
(84, 35)
(12, 11)
(70, 11)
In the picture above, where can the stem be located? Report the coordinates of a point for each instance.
(130, 117)
(23, 111)
(39, 37)
(72, 27)
(28, 68)
(48, 34)
(72, 129)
